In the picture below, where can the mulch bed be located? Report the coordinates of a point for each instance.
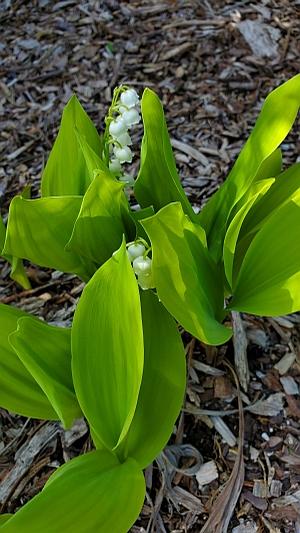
(212, 64)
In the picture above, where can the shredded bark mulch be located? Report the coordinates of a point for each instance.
(212, 64)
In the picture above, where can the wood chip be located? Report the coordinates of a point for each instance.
(189, 150)
(240, 350)
(207, 473)
(222, 428)
(262, 38)
(225, 503)
(258, 503)
(284, 322)
(275, 488)
(289, 385)
(246, 527)
(285, 363)
(177, 50)
(271, 406)
(207, 369)
(260, 488)
(25, 457)
(288, 499)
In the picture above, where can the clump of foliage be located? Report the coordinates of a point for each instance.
(122, 363)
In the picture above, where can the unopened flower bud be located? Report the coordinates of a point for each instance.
(115, 166)
(130, 98)
(135, 250)
(142, 265)
(124, 154)
(131, 117)
(117, 127)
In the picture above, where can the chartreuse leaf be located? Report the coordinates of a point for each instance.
(2, 233)
(187, 280)
(46, 353)
(39, 230)
(158, 182)
(101, 221)
(92, 159)
(281, 190)
(19, 392)
(4, 518)
(273, 124)
(232, 234)
(108, 350)
(163, 384)
(17, 272)
(283, 187)
(66, 172)
(270, 167)
(138, 216)
(269, 279)
(92, 493)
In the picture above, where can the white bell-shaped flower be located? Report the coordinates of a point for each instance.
(118, 127)
(123, 154)
(122, 109)
(115, 166)
(146, 281)
(129, 98)
(124, 139)
(131, 117)
(135, 250)
(142, 265)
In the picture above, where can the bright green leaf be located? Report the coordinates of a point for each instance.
(18, 272)
(39, 230)
(107, 349)
(158, 182)
(283, 187)
(232, 234)
(92, 160)
(46, 353)
(188, 282)
(19, 392)
(273, 124)
(2, 233)
(163, 384)
(4, 518)
(269, 279)
(66, 172)
(102, 220)
(270, 167)
(138, 216)
(89, 494)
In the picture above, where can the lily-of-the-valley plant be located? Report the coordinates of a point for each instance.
(122, 363)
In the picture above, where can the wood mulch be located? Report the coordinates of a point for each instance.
(212, 63)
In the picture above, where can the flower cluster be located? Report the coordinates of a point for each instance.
(141, 263)
(128, 115)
